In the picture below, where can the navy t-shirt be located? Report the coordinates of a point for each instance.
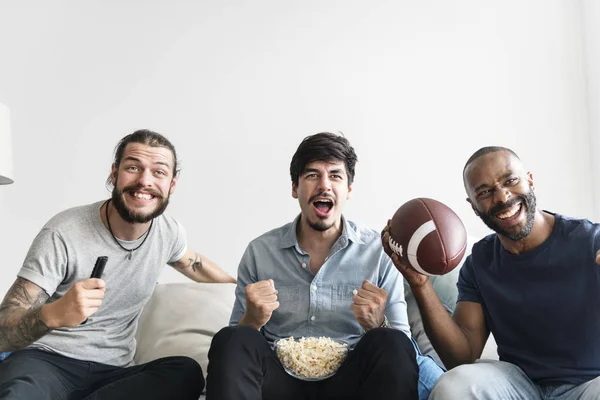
(543, 307)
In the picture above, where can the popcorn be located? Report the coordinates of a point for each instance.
(311, 358)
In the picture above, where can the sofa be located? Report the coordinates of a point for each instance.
(182, 318)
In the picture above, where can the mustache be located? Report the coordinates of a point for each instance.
(515, 200)
(323, 194)
(135, 188)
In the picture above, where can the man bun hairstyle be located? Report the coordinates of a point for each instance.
(148, 138)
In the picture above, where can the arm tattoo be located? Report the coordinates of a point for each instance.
(20, 320)
(195, 263)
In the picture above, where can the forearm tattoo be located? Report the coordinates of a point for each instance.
(20, 320)
(195, 263)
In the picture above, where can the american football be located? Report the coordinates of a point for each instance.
(427, 235)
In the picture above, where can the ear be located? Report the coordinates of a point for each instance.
(349, 195)
(530, 180)
(173, 185)
(472, 206)
(294, 190)
(113, 174)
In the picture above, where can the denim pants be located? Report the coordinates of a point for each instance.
(491, 380)
(429, 372)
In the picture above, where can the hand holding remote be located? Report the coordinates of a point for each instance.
(98, 271)
(81, 301)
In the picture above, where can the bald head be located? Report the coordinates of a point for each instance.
(490, 167)
(482, 152)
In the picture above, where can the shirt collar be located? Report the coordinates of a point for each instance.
(290, 239)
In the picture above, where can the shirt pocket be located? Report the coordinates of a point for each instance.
(284, 317)
(342, 297)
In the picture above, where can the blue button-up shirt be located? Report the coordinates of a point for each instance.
(319, 305)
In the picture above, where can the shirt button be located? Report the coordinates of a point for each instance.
(312, 318)
(313, 288)
(304, 265)
(354, 292)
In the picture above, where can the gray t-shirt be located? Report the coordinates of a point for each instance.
(65, 251)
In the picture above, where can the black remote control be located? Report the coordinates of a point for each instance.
(98, 271)
(99, 267)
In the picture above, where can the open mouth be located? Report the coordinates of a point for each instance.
(323, 207)
(510, 213)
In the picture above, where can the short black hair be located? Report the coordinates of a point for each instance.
(487, 150)
(324, 146)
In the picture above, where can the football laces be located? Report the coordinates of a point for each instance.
(396, 248)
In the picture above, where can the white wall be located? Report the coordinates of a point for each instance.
(591, 23)
(416, 86)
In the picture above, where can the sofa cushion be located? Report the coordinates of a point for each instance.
(445, 287)
(180, 320)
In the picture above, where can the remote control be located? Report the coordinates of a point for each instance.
(98, 271)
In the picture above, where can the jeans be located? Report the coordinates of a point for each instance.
(429, 373)
(491, 380)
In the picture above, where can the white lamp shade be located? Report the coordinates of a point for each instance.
(6, 164)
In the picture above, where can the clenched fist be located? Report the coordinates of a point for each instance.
(81, 301)
(369, 305)
(261, 301)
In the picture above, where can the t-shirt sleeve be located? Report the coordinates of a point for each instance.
(467, 285)
(46, 261)
(180, 244)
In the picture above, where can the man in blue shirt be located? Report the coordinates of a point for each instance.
(535, 284)
(319, 275)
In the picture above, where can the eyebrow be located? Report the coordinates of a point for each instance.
(307, 170)
(485, 185)
(333, 171)
(130, 158)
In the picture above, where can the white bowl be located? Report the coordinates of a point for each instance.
(311, 358)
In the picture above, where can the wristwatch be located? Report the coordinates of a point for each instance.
(385, 323)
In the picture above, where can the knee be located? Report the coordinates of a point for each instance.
(233, 340)
(458, 383)
(191, 375)
(189, 366)
(392, 340)
(235, 334)
(388, 346)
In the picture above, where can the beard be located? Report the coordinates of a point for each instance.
(528, 201)
(319, 226)
(132, 216)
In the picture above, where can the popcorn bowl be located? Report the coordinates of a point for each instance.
(311, 358)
